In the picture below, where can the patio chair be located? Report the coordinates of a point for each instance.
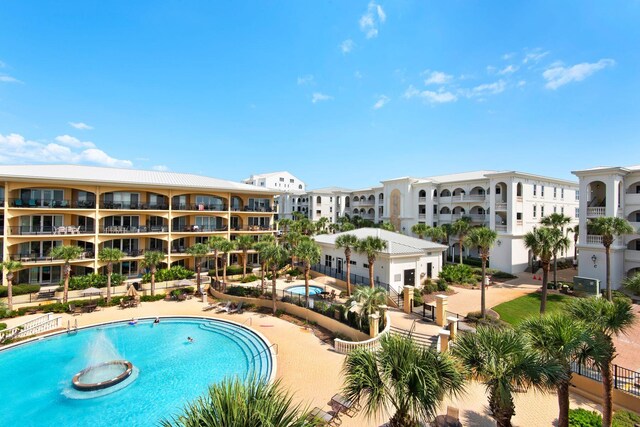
(75, 310)
(32, 203)
(238, 309)
(123, 304)
(325, 418)
(18, 203)
(345, 406)
(225, 308)
(453, 416)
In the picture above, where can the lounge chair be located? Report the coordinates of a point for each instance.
(325, 418)
(345, 405)
(453, 416)
(75, 310)
(225, 308)
(238, 309)
(212, 306)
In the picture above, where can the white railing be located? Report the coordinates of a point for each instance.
(422, 216)
(35, 326)
(596, 212)
(593, 239)
(501, 206)
(501, 228)
(372, 344)
(422, 200)
(469, 198)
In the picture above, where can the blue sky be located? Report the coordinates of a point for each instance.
(339, 93)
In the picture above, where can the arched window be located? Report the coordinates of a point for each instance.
(318, 199)
(381, 197)
(422, 193)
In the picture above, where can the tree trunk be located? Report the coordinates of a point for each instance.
(153, 281)
(307, 267)
(273, 289)
(371, 273)
(67, 271)
(607, 251)
(563, 404)
(10, 291)
(483, 305)
(555, 271)
(263, 285)
(224, 274)
(545, 280)
(215, 255)
(502, 414)
(460, 250)
(347, 255)
(607, 393)
(109, 271)
(198, 268)
(575, 247)
(244, 264)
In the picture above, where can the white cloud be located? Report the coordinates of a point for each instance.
(73, 142)
(381, 102)
(16, 148)
(508, 56)
(80, 125)
(488, 89)
(318, 97)
(558, 75)
(371, 20)
(509, 69)
(8, 79)
(347, 46)
(491, 69)
(440, 97)
(3, 64)
(436, 77)
(160, 168)
(305, 80)
(535, 55)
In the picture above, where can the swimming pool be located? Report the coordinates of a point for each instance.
(299, 290)
(171, 371)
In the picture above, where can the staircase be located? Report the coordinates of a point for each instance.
(422, 340)
(39, 325)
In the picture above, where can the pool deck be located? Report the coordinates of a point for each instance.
(311, 370)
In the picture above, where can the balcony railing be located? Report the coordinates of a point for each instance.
(501, 206)
(253, 228)
(52, 204)
(501, 227)
(252, 209)
(41, 257)
(198, 207)
(197, 229)
(50, 230)
(596, 212)
(593, 239)
(422, 216)
(422, 200)
(116, 229)
(134, 206)
(632, 255)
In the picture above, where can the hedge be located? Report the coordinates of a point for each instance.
(21, 289)
(93, 280)
(177, 272)
(232, 270)
(583, 418)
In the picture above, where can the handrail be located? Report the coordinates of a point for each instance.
(372, 344)
(242, 324)
(21, 331)
(265, 349)
(26, 325)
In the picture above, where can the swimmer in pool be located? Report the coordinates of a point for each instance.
(190, 339)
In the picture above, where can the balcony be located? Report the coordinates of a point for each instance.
(445, 217)
(632, 255)
(253, 228)
(422, 200)
(422, 216)
(631, 199)
(50, 230)
(596, 212)
(44, 258)
(198, 229)
(200, 207)
(501, 227)
(267, 209)
(501, 206)
(117, 229)
(469, 198)
(134, 206)
(52, 204)
(593, 239)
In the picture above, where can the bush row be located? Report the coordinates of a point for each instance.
(21, 289)
(93, 280)
(177, 272)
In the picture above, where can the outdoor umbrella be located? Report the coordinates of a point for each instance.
(131, 292)
(91, 292)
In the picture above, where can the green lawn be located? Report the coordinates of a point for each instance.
(514, 311)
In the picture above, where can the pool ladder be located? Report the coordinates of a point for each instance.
(250, 320)
(73, 328)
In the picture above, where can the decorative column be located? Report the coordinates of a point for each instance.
(374, 325)
(444, 340)
(441, 310)
(407, 295)
(453, 327)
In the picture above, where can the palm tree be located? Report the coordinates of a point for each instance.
(609, 228)
(67, 253)
(348, 242)
(440, 234)
(387, 226)
(483, 238)
(225, 248)
(420, 229)
(402, 376)
(347, 226)
(368, 300)
(555, 220)
(244, 243)
(285, 225)
(501, 360)
(264, 241)
(632, 283)
(371, 246)
(291, 240)
(274, 255)
(198, 251)
(309, 253)
(461, 228)
(215, 242)
(321, 225)
(544, 243)
(560, 339)
(110, 256)
(10, 267)
(576, 235)
(151, 261)
(605, 319)
(237, 403)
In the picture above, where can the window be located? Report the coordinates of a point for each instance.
(281, 179)
(535, 208)
(327, 261)
(555, 209)
(562, 193)
(577, 194)
(365, 265)
(535, 190)
(300, 187)
(352, 262)
(562, 210)
(318, 200)
(291, 181)
(318, 212)
(519, 216)
(330, 208)
(542, 191)
(577, 213)
(541, 211)
(555, 191)
(331, 199)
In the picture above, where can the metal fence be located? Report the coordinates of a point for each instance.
(342, 275)
(623, 379)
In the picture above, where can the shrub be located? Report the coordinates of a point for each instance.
(503, 275)
(151, 298)
(429, 287)
(21, 289)
(3, 326)
(583, 418)
(243, 291)
(177, 272)
(442, 285)
(625, 419)
(620, 295)
(417, 298)
(233, 270)
(279, 312)
(476, 317)
(93, 280)
(456, 273)
(632, 284)
(294, 272)
(250, 278)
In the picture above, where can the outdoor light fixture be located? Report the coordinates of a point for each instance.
(499, 242)
(594, 258)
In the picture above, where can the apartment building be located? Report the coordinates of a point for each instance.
(290, 190)
(609, 191)
(45, 206)
(326, 203)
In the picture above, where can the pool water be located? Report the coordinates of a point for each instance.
(299, 290)
(36, 377)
